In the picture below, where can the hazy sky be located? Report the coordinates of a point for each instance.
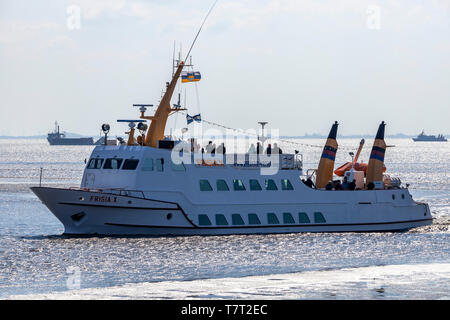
(298, 64)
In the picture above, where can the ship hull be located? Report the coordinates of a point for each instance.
(71, 142)
(84, 212)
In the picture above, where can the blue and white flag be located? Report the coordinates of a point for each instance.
(191, 119)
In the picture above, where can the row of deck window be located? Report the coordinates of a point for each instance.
(253, 219)
(238, 185)
(113, 163)
(148, 164)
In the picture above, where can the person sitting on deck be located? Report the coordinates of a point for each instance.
(258, 148)
(221, 149)
(352, 185)
(309, 183)
(329, 185)
(269, 149)
(345, 183)
(210, 148)
(276, 149)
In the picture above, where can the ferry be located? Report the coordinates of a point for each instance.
(154, 185)
(422, 137)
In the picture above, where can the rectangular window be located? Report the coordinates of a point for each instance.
(319, 218)
(270, 185)
(147, 164)
(303, 218)
(203, 220)
(205, 186)
(130, 164)
(253, 218)
(287, 218)
(254, 185)
(95, 163)
(272, 218)
(237, 220)
(112, 163)
(221, 220)
(238, 185)
(286, 185)
(222, 185)
(160, 165)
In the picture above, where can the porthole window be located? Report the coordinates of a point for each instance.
(393, 197)
(319, 218)
(287, 218)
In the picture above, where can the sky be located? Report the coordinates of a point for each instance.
(300, 65)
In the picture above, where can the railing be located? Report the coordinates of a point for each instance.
(284, 161)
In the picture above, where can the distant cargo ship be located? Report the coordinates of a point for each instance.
(58, 138)
(423, 137)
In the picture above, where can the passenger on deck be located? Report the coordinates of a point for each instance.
(276, 149)
(221, 149)
(370, 186)
(269, 149)
(252, 149)
(338, 185)
(352, 185)
(309, 183)
(210, 148)
(345, 183)
(329, 185)
(258, 148)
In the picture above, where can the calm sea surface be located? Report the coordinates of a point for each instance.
(36, 258)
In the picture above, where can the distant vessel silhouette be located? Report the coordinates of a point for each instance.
(57, 138)
(423, 137)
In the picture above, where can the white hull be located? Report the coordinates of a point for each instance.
(95, 212)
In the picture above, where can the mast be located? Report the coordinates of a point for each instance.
(159, 119)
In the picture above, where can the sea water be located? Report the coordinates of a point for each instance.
(36, 260)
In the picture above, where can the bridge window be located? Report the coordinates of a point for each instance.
(205, 186)
(237, 220)
(95, 163)
(130, 164)
(203, 220)
(221, 220)
(147, 165)
(112, 163)
(254, 185)
(287, 218)
(270, 185)
(319, 218)
(272, 218)
(303, 218)
(238, 185)
(253, 218)
(286, 185)
(222, 185)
